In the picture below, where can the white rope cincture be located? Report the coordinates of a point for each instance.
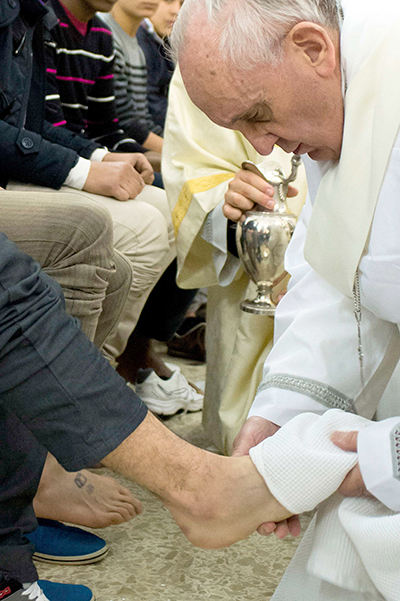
(358, 316)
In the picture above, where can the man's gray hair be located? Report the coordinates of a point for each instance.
(252, 31)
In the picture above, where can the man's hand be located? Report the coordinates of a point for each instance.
(244, 191)
(247, 189)
(255, 430)
(118, 180)
(137, 160)
(353, 485)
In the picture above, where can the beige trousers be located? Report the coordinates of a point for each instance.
(73, 242)
(143, 234)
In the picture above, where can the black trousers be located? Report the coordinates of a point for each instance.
(166, 307)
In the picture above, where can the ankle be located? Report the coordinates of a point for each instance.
(199, 507)
(228, 501)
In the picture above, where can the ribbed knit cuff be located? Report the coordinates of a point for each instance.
(300, 464)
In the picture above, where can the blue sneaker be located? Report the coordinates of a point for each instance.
(59, 544)
(43, 590)
(55, 591)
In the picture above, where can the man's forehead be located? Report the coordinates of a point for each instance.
(225, 96)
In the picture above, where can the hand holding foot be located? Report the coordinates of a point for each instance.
(353, 485)
(255, 430)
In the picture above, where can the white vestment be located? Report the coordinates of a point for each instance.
(351, 549)
(314, 364)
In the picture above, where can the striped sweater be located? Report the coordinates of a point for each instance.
(80, 83)
(130, 77)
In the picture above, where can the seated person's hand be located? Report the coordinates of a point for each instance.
(247, 189)
(255, 430)
(138, 162)
(353, 485)
(119, 180)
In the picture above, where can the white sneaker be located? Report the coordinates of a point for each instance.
(167, 397)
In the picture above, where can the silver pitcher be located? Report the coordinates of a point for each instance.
(262, 238)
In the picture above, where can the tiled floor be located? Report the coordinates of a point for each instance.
(150, 559)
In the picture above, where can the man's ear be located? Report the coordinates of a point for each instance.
(313, 45)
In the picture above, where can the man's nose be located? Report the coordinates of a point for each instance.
(287, 146)
(263, 144)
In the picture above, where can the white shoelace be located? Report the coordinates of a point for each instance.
(35, 592)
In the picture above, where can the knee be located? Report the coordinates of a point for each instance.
(157, 229)
(143, 237)
(123, 274)
(91, 226)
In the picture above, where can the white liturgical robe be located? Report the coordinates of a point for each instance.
(314, 364)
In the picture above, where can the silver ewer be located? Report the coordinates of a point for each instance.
(262, 238)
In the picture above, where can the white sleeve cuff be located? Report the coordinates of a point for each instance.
(280, 406)
(214, 233)
(379, 457)
(214, 229)
(78, 174)
(99, 154)
(300, 464)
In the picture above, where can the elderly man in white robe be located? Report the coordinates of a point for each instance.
(320, 79)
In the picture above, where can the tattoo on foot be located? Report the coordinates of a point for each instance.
(80, 480)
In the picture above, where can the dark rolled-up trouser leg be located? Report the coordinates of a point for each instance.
(21, 463)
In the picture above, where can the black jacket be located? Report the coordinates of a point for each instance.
(31, 150)
(160, 69)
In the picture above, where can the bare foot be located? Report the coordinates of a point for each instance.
(231, 505)
(215, 500)
(83, 498)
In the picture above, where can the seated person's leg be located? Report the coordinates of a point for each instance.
(144, 236)
(160, 385)
(163, 313)
(72, 241)
(81, 411)
(143, 233)
(166, 306)
(21, 463)
(119, 285)
(215, 500)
